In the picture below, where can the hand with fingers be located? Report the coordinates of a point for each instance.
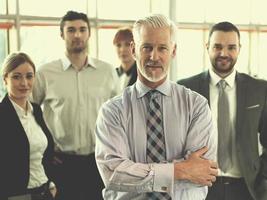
(197, 169)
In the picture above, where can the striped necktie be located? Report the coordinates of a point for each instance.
(156, 151)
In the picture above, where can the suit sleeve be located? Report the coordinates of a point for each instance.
(261, 182)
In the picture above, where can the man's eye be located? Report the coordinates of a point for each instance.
(71, 30)
(217, 47)
(147, 48)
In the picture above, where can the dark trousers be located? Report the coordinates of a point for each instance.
(39, 193)
(226, 188)
(77, 178)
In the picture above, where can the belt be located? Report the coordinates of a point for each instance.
(39, 190)
(40, 193)
(228, 180)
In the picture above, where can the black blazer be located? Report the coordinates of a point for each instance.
(132, 72)
(14, 149)
(251, 119)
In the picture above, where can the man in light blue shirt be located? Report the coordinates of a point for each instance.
(121, 130)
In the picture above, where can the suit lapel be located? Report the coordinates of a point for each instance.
(240, 102)
(204, 85)
(12, 117)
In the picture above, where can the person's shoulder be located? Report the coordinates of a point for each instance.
(122, 100)
(50, 65)
(101, 64)
(184, 93)
(193, 79)
(251, 80)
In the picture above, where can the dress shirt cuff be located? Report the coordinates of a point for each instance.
(163, 177)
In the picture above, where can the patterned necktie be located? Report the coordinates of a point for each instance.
(156, 151)
(224, 131)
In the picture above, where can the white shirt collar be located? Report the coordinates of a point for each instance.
(66, 62)
(230, 79)
(20, 111)
(142, 89)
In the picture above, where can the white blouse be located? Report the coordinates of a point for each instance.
(38, 143)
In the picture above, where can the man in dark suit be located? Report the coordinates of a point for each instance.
(243, 174)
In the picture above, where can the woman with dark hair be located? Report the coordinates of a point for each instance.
(26, 145)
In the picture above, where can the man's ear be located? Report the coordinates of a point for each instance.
(62, 35)
(207, 45)
(4, 81)
(133, 48)
(174, 50)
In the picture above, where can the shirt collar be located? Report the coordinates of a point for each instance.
(20, 111)
(66, 62)
(230, 79)
(142, 89)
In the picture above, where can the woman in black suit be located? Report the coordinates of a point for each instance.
(127, 71)
(26, 145)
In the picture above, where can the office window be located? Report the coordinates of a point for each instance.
(242, 64)
(234, 11)
(190, 51)
(190, 11)
(51, 7)
(160, 6)
(106, 48)
(2, 7)
(3, 54)
(258, 12)
(122, 9)
(262, 69)
(43, 44)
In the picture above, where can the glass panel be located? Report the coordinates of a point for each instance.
(106, 49)
(3, 7)
(190, 11)
(51, 7)
(43, 44)
(11, 6)
(262, 69)
(258, 12)
(122, 9)
(242, 64)
(233, 11)
(189, 53)
(3, 54)
(160, 6)
(91, 8)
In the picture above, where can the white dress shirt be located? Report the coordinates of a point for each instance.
(38, 144)
(231, 93)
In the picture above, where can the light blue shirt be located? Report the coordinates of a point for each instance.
(121, 142)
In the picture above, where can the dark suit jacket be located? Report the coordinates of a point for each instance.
(14, 149)
(251, 119)
(132, 72)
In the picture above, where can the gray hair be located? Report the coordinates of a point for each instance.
(155, 21)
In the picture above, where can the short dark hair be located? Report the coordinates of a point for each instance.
(225, 27)
(73, 15)
(13, 60)
(123, 34)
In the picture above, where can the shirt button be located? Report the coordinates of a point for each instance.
(164, 188)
